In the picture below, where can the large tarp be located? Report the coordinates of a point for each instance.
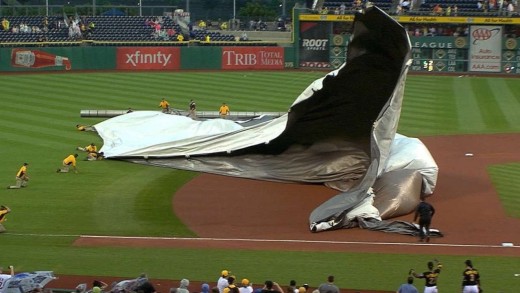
(340, 131)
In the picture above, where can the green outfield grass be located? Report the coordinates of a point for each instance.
(38, 113)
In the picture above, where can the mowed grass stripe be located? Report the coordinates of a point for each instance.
(507, 101)
(468, 110)
(492, 115)
(426, 105)
(506, 179)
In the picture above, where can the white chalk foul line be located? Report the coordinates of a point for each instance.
(273, 240)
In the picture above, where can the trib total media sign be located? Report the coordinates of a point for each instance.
(252, 58)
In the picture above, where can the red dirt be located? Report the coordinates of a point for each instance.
(469, 212)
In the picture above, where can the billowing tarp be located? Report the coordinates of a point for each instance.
(340, 131)
(27, 282)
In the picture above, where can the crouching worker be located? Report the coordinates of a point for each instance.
(94, 156)
(4, 210)
(22, 179)
(91, 150)
(69, 162)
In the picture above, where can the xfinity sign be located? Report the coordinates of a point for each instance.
(159, 58)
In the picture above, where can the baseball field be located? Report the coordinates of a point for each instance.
(116, 220)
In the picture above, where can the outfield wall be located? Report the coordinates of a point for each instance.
(146, 58)
(484, 51)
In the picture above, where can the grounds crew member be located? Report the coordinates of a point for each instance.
(22, 178)
(68, 162)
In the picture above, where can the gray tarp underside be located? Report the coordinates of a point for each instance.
(338, 132)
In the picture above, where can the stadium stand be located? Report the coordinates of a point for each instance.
(107, 29)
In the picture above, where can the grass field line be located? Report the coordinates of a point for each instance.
(271, 240)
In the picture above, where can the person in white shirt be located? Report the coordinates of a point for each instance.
(247, 287)
(223, 281)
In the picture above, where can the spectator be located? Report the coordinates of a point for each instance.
(171, 32)
(98, 286)
(222, 281)
(437, 10)
(224, 26)
(202, 24)
(145, 287)
(262, 26)
(4, 277)
(5, 24)
(408, 287)
(204, 288)
(183, 286)
(324, 10)
(480, 6)
(246, 286)
(510, 8)
(231, 287)
(91, 26)
(180, 38)
(272, 287)
(292, 287)
(448, 10)
(328, 287)
(45, 24)
(281, 25)
(342, 8)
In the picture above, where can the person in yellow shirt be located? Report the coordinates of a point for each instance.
(81, 127)
(21, 178)
(91, 150)
(68, 162)
(223, 111)
(6, 24)
(224, 26)
(165, 106)
(4, 210)
(180, 38)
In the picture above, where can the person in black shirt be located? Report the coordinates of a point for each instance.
(193, 110)
(470, 279)
(430, 277)
(424, 212)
